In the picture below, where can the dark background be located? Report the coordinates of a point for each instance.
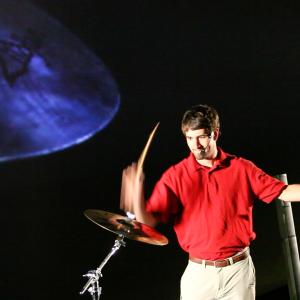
(165, 56)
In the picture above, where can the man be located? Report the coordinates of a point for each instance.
(209, 197)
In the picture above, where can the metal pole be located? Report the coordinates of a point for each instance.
(289, 243)
(94, 275)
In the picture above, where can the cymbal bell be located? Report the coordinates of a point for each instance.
(127, 227)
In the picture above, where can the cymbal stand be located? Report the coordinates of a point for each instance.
(93, 283)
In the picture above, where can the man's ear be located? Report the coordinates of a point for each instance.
(216, 134)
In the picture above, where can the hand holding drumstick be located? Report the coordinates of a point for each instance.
(132, 188)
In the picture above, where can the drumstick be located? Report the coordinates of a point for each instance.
(141, 160)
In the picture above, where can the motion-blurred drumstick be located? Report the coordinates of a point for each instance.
(141, 160)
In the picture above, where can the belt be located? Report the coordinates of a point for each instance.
(221, 263)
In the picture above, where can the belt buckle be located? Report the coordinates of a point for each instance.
(230, 260)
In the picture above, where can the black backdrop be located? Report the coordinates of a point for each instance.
(165, 56)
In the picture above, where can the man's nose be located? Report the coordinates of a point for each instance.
(198, 144)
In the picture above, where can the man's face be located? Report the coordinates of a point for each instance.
(202, 143)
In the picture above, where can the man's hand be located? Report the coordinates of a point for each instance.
(132, 188)
(132, 195)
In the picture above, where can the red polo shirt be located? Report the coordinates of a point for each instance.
(212, 207)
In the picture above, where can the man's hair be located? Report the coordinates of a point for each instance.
(200, 116)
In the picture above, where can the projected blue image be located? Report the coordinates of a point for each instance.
(54, 91)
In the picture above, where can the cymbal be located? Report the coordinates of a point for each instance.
(125, 226)
(55, 91)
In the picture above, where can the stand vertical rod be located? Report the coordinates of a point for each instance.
(289, 243)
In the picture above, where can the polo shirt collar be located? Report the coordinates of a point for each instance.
(222, 160)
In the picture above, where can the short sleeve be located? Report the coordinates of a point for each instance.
(163, 202)
(264, 186)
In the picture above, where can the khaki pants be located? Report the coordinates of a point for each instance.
(234, 282)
